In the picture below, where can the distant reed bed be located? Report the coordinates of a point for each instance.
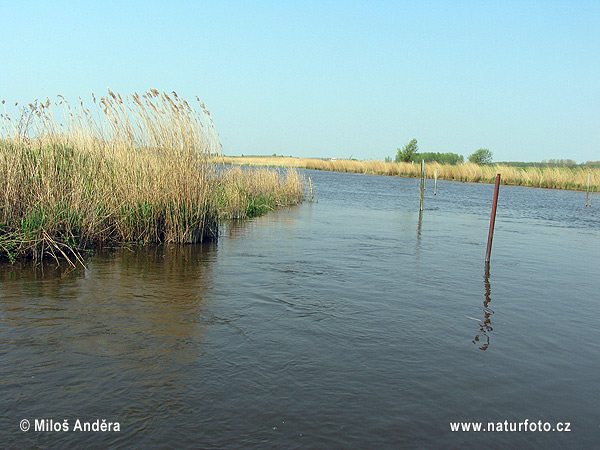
(137, 169)
(544, 177)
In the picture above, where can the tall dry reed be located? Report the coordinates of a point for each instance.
(131, 170)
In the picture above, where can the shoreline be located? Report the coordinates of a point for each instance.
(538, 177)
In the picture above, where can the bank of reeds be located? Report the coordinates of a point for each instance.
(544, 177)
(135, 170)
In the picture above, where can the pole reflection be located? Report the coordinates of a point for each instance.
(418, 242)
(485, 327)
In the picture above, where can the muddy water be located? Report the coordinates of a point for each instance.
(352, 322)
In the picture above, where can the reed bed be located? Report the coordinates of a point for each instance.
(138, 169)
(544, 177)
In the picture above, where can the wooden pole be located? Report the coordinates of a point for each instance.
(435, 184)
(422, 184)
(492, 220)
(587, 195)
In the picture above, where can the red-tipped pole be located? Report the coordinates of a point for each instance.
(492, 221)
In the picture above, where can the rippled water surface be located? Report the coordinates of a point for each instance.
(351, 322)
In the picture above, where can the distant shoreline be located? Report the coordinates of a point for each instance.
(549, 177)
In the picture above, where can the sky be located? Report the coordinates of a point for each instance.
(326, 78)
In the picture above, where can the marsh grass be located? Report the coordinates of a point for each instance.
(543, 177)
(133, 170)
(248, 193)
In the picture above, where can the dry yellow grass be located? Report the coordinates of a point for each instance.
(240, 193)
(546, 177)
(138, 173)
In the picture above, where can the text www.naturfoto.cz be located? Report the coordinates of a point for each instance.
(506, 426)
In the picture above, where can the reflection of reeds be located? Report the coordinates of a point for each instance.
(136, 170)
(545, 177)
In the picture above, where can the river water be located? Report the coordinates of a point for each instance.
(349, 322)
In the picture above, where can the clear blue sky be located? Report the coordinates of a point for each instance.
(331, 78)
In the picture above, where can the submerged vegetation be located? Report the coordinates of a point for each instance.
(137, 170)
(554, 177)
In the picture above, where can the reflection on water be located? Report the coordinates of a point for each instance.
(419, 226)
(418, 239)
(485, 326)
(125, 328)
(117, 301)
(238, 228)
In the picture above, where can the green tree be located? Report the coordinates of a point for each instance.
(442, 158)
(481, 156)
(409, 152)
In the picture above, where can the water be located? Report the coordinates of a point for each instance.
(348, 323)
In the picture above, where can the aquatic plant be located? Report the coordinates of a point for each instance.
(131, 170)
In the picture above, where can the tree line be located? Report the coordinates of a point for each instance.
(410, 153)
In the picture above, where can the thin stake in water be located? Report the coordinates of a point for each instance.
(492, 221)
(587, 195)
(435, 184)
(422, 184)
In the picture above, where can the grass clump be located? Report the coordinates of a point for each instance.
(138, 170)
(252, 192)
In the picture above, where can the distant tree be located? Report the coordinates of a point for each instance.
(409, 152)
(442, 158)
(568, 162)
(481, 156)
(388, 159)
